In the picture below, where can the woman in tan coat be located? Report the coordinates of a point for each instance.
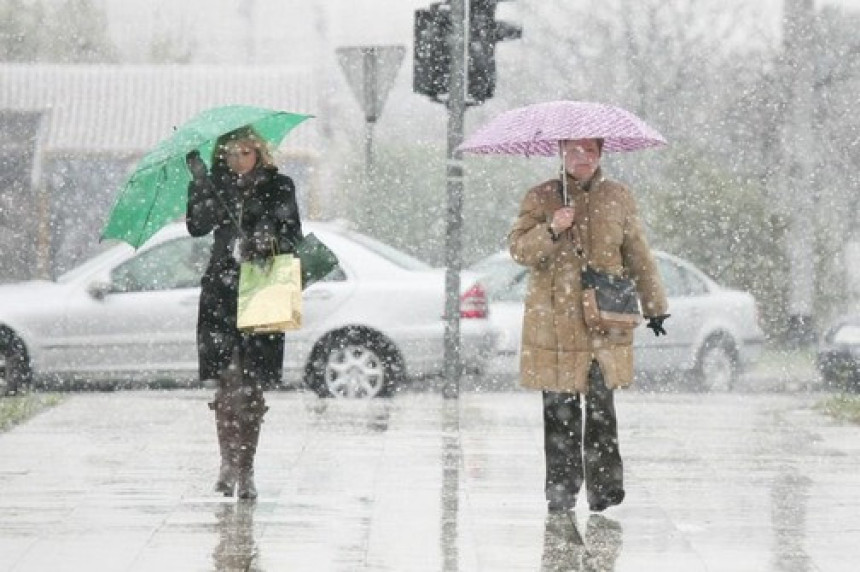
(561, 356)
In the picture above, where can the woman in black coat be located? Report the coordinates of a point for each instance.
(251, 210)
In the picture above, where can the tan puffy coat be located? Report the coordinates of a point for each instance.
(557, 347)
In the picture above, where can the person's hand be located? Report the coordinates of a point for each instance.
(562, 219)
(656, 324)
(196, 166)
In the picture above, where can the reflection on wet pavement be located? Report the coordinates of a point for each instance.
(236, 548)
(565, 550)
(789, 496)
(451, 458)
(562, 543)
(717, 483)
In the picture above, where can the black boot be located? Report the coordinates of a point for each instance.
(226, 443)
(227, 406)
(250, 420)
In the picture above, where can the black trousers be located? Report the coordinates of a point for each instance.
(581, 448)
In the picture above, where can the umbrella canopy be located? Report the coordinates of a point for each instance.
(537, 129)
(156, 192)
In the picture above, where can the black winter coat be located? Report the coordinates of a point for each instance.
(265, 209)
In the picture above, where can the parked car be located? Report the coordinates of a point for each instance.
(713, 331)
(838, 358)
(131, 315)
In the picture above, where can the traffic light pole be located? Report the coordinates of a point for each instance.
(454, 218)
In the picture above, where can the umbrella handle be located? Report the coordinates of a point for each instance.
(564, 195)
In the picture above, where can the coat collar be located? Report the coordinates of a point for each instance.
(590, 184)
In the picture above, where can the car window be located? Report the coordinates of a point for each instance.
(389, 253)
(179, 263)
(673, 280)
(336, 275)
(512, 291)
(502, 277)
(695, 286)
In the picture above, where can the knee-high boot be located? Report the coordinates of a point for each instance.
(226, 443)
(226, 475)
(228, 406)
(250, 420)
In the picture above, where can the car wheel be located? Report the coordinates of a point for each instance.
(717, 367)
(355, 364)
(15, 372)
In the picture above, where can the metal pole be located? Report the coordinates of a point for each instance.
(454, 173)
(368, 153)
(369, 61)
(799, 146)
(43, 200)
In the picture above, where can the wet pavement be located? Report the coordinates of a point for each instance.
(721, 482)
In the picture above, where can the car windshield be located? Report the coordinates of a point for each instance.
(104, 252)
(389, 253)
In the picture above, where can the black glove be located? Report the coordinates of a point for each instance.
(656, 324)
(196, 166)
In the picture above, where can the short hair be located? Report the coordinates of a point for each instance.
(598, 140)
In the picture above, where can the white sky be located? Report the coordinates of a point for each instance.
(283, 31)
(287, 31)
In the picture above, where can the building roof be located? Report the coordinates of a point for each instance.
(127, 109)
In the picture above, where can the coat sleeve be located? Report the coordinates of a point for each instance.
(641, 266)
(529, 241)
(280, 226)
(203, 213)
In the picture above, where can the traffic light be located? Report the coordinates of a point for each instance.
(432, 51)
(484, 32)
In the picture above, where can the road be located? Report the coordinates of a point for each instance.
(715, 482)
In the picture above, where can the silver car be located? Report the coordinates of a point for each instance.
(131, 315)
(713, 332)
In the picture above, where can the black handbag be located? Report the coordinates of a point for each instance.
(609, 302)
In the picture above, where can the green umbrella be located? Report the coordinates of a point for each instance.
(156, 193)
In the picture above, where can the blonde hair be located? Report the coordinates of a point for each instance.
(242, 135)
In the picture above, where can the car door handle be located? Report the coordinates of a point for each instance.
(317, 294)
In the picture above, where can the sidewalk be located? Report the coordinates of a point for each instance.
(782, 371)
(724, 482)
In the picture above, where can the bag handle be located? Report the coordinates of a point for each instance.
(584, 250)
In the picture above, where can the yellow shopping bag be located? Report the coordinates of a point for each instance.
(270, 295)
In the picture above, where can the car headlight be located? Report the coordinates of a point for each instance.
(848, 335)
